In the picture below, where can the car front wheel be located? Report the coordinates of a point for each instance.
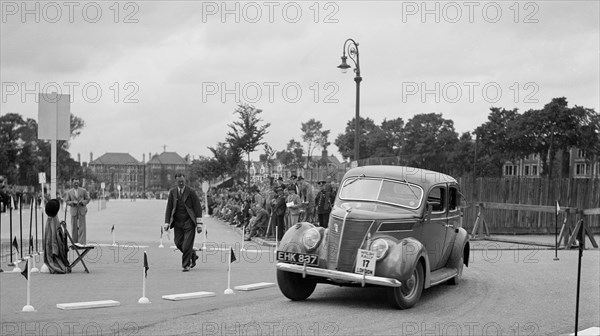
(408, 294)
(294, 286)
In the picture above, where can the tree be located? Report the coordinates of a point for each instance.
(22, 155)
(292, 155)
(247, 133)
(493, 139)
(10, 135)
(345, 141)
(394, 134)
(428, 141)
(314, 136)
(462, 157)
(267, 157)
(553, 129)
(227, 159)
(204, 169)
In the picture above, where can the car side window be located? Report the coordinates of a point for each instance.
(454, 199)
(437, 199)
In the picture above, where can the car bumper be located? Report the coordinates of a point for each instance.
(340, 276)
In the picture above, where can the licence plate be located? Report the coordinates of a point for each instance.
(298, 258)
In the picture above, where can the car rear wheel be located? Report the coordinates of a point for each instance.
(408, 294)
(294, 286)
(458, 277)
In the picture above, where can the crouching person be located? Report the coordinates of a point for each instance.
(55, 241)
(259, 223)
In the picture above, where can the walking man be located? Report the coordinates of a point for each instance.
(78, 198)
(184, 215)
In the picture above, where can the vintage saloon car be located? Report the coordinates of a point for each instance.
(391, 226)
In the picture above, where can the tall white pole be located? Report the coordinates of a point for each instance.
(53, 156)
(229, 290)
(243, 236)
(53, 151)
(144, 283)
(143, 299)
(28, 307)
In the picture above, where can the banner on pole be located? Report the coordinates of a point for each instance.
(42, 177)
(54, 116)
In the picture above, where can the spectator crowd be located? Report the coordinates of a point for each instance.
(268, 208)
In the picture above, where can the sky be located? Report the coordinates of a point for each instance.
(148, 74)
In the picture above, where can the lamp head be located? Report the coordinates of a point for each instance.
(344, 66)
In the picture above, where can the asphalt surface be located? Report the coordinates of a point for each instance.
(508, 289)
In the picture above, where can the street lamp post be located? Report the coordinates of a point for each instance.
(352, 48)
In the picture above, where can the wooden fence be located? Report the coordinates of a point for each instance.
(572, 193)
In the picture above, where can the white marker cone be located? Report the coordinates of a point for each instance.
(17, 268)
(44, 268)
(33, 268)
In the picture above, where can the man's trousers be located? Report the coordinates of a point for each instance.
(184, 240)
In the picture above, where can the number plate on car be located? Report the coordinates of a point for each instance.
(365, 262)
(298, 258)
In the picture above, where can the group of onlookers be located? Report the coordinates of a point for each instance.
(271, 207)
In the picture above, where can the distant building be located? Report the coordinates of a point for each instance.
(119, 169)
(531, 166)
(320, 168)
(161, 170)
(133, 176)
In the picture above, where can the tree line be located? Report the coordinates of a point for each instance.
(426, 141)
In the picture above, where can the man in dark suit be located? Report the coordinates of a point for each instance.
(279, 208)
(324, 202)
(184, 214)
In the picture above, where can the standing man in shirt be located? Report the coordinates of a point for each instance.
(77, 198)
(184, 215)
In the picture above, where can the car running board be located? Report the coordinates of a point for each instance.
(442, 274)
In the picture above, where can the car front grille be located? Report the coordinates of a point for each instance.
(347, 240)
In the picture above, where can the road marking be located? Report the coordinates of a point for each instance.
(255, 286)
(88, 304)
(186, 296)
(593, 331)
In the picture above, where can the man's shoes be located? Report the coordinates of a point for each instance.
(194, 258)
(186, 269)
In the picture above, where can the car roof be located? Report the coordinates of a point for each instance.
(422, 177)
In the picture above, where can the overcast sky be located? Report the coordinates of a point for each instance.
(143, 74)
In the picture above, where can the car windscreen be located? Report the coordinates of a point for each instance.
(382, 190)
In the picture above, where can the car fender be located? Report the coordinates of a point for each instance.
(402, 257)
(292, 239)
(460, 247)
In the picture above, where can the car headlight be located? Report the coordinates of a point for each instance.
(380, 247)
(311, 238)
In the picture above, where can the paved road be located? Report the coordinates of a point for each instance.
(509, 292)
